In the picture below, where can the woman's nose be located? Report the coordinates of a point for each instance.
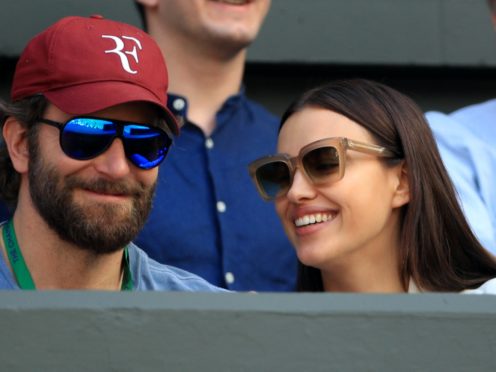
(301, 188)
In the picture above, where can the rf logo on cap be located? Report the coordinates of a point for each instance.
(123, 54)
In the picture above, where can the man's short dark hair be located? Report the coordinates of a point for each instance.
(26, 111)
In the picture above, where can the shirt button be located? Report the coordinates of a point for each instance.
(178, 104)
(221, 207)
(209, 143)
(229, 278)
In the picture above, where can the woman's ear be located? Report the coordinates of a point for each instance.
(15, 137)
(402, 191)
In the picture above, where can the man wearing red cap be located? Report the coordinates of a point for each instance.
(82, 140)
(207, 217)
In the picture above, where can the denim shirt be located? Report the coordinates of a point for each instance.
(207, 217)
(466, 139)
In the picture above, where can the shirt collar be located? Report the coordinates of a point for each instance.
(178, 104)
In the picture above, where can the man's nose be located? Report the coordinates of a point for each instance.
(113, 161)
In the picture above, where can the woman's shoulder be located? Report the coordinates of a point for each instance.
(488, 287)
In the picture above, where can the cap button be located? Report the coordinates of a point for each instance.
(96, 16)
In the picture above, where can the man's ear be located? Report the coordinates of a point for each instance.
(149, 3)
(402, 191)
(15, 137)
(492, 9)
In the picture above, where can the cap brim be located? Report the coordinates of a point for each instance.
(87, 98)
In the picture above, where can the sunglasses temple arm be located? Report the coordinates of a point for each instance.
(369, 148)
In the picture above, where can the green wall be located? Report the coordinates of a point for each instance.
(96, 331)
(440, 52)
(405, 32)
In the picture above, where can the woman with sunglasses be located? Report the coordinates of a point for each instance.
(363, 196)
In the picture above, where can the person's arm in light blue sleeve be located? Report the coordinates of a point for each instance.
(471, 164)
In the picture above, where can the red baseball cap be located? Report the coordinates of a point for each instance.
(83, 65)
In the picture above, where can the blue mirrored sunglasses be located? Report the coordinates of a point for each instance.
(84, 138)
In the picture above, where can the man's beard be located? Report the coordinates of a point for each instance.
(97, 227)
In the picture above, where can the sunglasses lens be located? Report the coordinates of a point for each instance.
(85, 138)
(322, 164)
(145, 146)
(273, 178)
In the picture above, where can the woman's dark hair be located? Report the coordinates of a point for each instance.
(27, 112)
(437, 248)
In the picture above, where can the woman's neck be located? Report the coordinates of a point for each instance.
(360, 281)
(373, 268)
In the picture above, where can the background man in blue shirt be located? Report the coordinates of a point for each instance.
(467, 142)
(207, 217)
(82, 140)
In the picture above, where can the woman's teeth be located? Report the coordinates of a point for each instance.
(311, 219)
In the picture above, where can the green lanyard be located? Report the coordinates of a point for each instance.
(127, 280)
(21, 271)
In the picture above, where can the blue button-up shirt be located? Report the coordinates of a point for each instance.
(207, 217)
(466, 140)
(147, 274)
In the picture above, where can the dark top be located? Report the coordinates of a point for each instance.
(207, 216)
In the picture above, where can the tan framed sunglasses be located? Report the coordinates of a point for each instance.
(322, 161)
